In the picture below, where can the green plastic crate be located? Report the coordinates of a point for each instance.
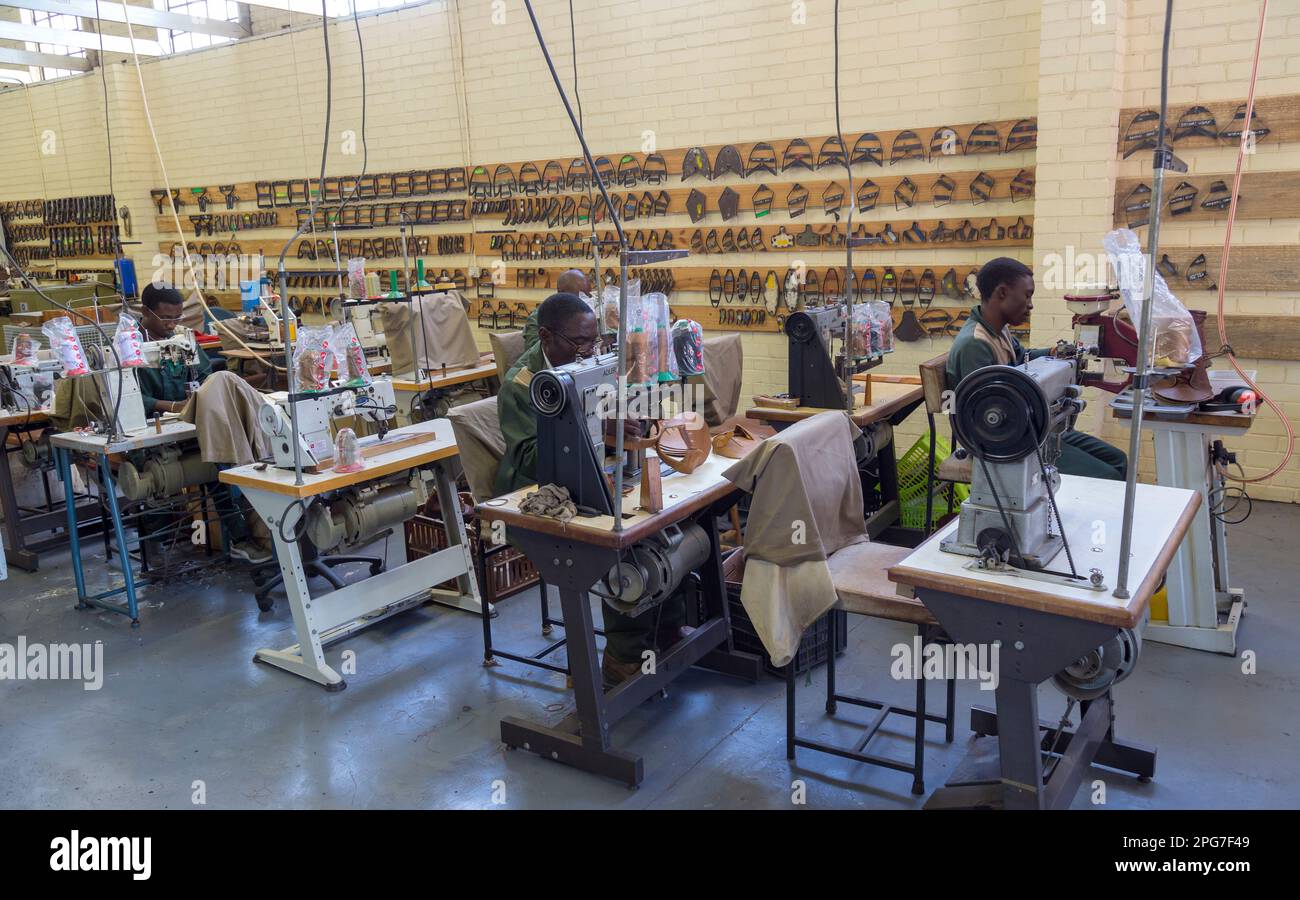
(913, 467)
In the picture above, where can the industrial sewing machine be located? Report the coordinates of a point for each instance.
(1011, 419)
(1113, 334)
(373, 402)
(817, 373)
(573, 405)
(27, 388)
(177, 354)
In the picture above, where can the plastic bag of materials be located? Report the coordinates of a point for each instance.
(66, 345)
(657, 321)
(350, 356)
(128, 341)
(1174, 341)
(882, 332)
(357, 278)
(26, 350)
(688, 348)
(313, 357)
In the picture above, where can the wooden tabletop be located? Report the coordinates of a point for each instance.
(267, 477)
(683, 495)
(887, 398)
(35, 417)
(1228, 421)
(487, 368)
(1089, 507)
(173, 431)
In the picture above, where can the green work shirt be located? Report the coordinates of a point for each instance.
(519, 423)
(977, 346)
(168, 382)
(531, 334)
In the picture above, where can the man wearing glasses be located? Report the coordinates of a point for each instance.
(224, 410)
(166, 388)
(568, 331)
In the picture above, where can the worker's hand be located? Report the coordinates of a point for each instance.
(631, 428)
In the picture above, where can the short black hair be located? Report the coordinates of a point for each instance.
(1000, 271)
(155, 295)
(558, 309)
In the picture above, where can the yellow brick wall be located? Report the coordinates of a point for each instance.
(686, 73)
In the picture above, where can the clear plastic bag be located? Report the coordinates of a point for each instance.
(66, 345)
(127, 341)
(1174, 340)
(347, 452)
(882, 331)
(26, 350)
(313, 357)
(863, 332)
(688, 348)
(357, 278)
(350, 356)
(657, 320)
(609, 306)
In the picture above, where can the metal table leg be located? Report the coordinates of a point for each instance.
(1032, 647)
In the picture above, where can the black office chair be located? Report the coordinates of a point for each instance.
(267, 577)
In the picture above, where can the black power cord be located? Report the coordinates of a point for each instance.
(325, 143)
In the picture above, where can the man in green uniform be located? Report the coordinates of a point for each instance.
(167, 389)
(1006, 289)
(567, 331)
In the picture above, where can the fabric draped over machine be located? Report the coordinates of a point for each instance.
(806, 504)
(443, 336)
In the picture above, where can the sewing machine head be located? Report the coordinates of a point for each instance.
(27, 388)
(814, 374)
(374, 402)
(573, 404)
(1011, 420)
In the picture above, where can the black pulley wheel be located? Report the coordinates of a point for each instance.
(800, 327)
(1001, 414)
(547, 393)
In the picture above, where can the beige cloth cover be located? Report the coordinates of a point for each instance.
(724, 363)
(224, 409)
(478, 436)
(807, 503)
(447, 338)
(507, 347)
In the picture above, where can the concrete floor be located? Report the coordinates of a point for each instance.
(417, 727)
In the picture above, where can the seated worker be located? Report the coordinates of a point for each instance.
(567, 331)
(224, 409)
(569, 282)
(1006, 289)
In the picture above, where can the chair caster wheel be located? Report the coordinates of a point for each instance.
(918, 788)
(266, 605)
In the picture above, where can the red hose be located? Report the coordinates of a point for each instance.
(1227, 248)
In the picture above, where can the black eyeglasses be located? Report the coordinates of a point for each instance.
(582, 347)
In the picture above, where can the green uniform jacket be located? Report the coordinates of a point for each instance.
(976, 346)
(169, 383)
(531, 334)
(519, 423)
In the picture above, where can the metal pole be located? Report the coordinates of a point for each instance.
(410, 302)
(290, 378)
(622, 392)
(1141, 374)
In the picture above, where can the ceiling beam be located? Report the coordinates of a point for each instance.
(48, 60)
(110, 11)
(305, 7)
(85, 40)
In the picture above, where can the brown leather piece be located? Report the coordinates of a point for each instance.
(684, 442)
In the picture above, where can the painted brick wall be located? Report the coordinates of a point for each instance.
(683, 73)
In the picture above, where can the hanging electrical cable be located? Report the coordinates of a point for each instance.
(1246, 137)
(365, 146)
(591, 200)
(167, 186)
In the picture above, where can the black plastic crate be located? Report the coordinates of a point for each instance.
(813, 649)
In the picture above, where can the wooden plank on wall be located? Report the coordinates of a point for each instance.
(1264, 195)
(1280, 114)
(1259, 337)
